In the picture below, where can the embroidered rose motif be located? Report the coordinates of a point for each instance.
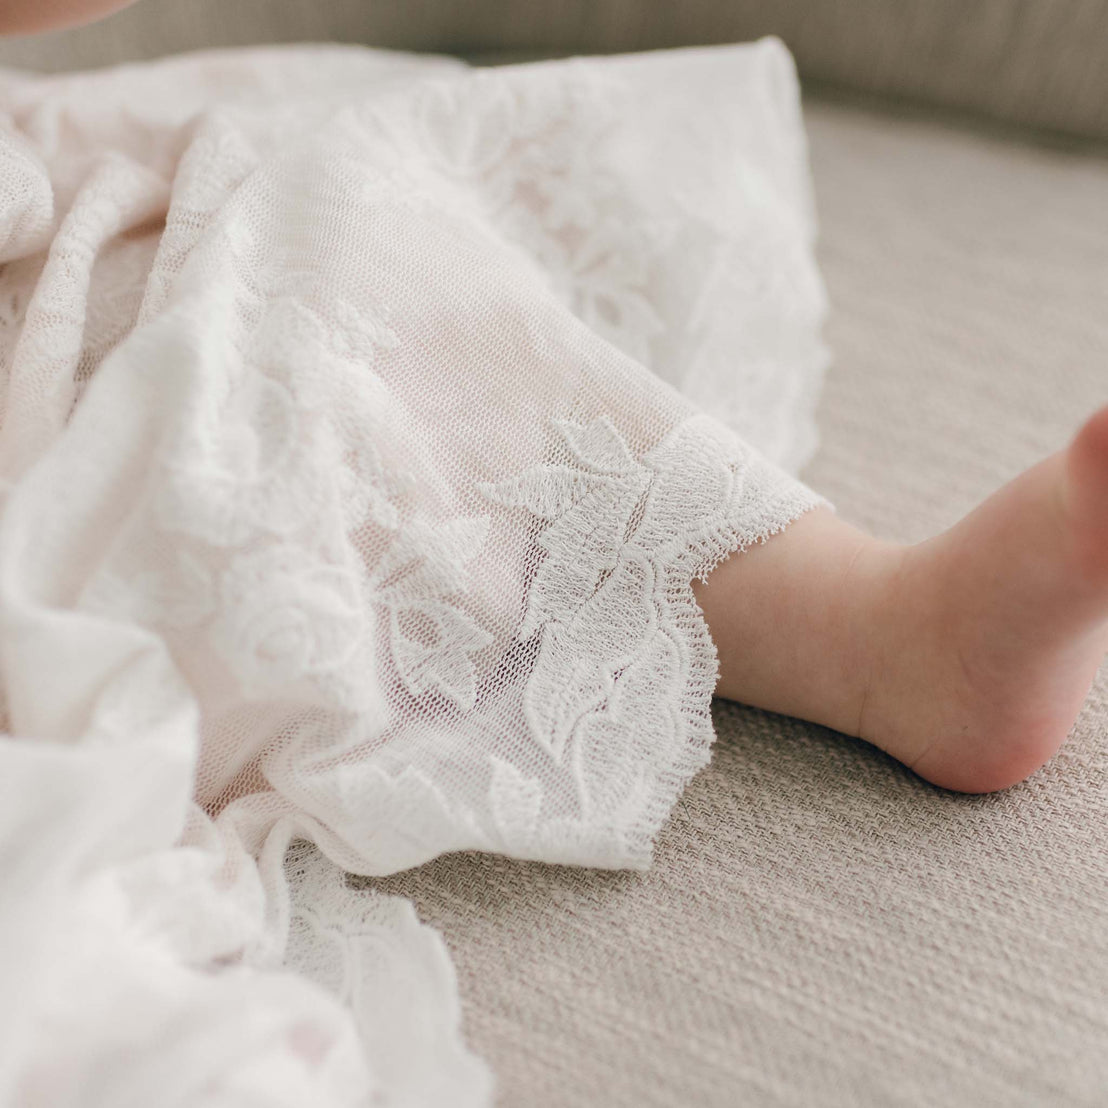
(285, 618)
(329, 368)
(248, 462)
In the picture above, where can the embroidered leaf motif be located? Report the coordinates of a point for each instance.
(598, 599)
(564, 686)
(431, 638)
(545, 491)
(515, 801)
(598, 446)
(431, 644)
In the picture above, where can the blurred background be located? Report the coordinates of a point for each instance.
(1038, 63)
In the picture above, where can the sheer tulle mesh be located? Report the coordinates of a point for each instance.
(355, 476)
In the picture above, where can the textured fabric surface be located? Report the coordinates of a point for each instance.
(821, 926)
(355, 474)
(1038, 62)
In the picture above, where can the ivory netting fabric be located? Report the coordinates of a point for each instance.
(354, 474)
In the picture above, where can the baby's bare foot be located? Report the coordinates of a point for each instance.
(997, 627)
(966, 657)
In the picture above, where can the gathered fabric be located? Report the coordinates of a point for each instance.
(364, 419)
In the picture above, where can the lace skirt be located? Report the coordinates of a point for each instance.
(356, 468)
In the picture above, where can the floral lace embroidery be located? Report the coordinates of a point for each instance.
(534, 157)
(255, 566)
(599, 599)
(431, 639)
(264, 484)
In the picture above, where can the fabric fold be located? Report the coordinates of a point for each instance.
(355, 490)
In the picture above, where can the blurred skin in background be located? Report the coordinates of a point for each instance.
(24, 17)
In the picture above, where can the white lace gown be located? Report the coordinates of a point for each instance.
(355, 469)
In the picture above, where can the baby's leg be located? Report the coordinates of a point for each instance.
(966, 657)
